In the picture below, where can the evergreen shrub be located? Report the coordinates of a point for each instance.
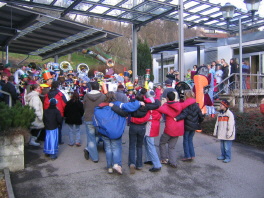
(15, 120)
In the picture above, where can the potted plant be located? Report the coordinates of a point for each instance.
(14, 129)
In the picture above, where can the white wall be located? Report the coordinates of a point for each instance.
(225, 52)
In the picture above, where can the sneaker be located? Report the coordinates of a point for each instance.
(139, 168)
(173, 165)
(86, 154)
(227, 160)
(154, 169)
(220, 158)
(117, 168)
(132, 168)
(110, 170)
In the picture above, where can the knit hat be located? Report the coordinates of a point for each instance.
(53, 101)
(150, 94)
(225, 103)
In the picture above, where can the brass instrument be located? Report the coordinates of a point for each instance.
(83, 68)
(65, 66)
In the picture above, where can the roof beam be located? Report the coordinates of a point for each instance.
(156, 17)
(61, 50)
(67, 10)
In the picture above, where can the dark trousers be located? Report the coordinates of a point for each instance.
(136, 138)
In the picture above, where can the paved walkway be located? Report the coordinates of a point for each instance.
(73, 176)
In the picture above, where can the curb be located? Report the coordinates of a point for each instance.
(9, 187)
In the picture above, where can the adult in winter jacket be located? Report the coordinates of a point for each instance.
(233, 70)
(225, 130)
(225, 69)
(54, 92)
(192, 117)
(73, 117)
(90, 101)
(33, 100)
(9, 87)
(52, 120)
(172, 129)
(111, 131)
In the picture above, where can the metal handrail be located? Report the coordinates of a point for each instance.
(236, 81)
(9, 95)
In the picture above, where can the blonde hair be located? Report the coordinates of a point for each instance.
(189, 94)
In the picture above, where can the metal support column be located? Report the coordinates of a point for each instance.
(134, 51)
(198, 55)
(181, 41)
(7, 50)
(241, 102)
(56, 59)
(162, 69)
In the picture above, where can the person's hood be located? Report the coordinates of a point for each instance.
(53, 93)
(30, 95)
(94, 95)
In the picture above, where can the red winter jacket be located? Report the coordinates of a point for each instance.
(60, 98)
(171, 110)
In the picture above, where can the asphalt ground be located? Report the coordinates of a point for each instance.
(71, 175)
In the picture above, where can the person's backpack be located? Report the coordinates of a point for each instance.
(108, 122)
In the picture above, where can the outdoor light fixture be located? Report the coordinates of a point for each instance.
(228, 11)
(252, 6)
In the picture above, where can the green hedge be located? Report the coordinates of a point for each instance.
(249, 127)
(14, 118)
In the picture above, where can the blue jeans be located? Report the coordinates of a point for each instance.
(71, 133)
(151, 153)
(113, 151)
(136, 138)
(188, 144)
(244, 82)
(226, 148)
(92, 139)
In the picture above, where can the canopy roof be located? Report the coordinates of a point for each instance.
(192, 42)
(26, 31)
(196, 12)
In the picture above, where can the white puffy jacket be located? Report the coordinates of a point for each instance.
(33, 100)
(225, 126)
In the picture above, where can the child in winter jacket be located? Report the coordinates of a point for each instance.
(225, 131)
(152, 131)
(52, 120)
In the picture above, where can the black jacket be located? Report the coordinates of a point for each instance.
(52, 118)
(143, 110)
(225, 72)
(73, 112)
(170, 76)
(10, 88)
(192, 116)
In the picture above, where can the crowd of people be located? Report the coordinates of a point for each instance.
(106, 113)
